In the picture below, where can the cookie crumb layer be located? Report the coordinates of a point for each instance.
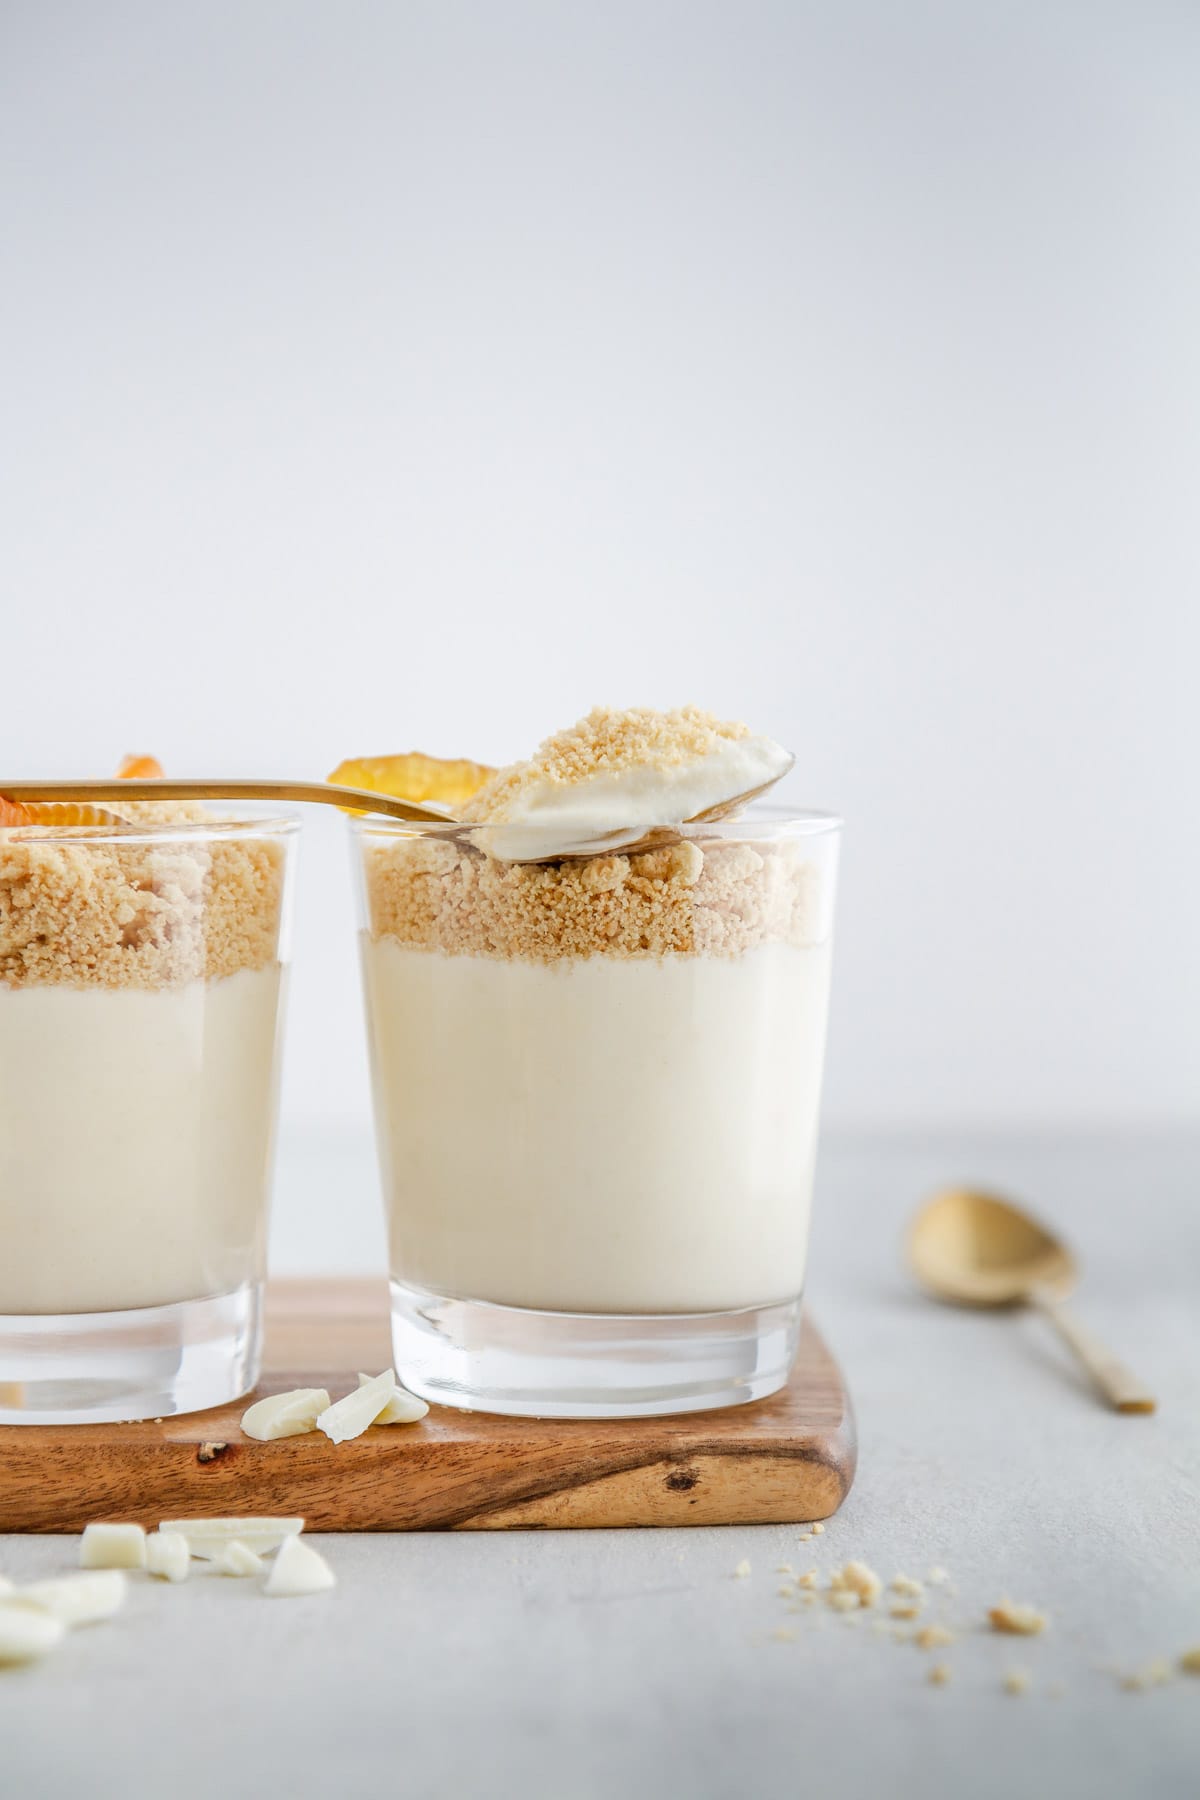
(712, 897)
(124, 913)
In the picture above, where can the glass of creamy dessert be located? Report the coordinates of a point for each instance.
(597, 1039)
(141, 981)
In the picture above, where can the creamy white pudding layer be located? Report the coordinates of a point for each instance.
(135, 1141)
(611, 1134)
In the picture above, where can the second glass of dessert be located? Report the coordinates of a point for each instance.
(141, 981)
(597, 1038)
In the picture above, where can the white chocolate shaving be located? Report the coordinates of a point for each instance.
(298, 1569)
(76, 1599)
(167, 1554)
(350, 1417)
(238, 1559)
(26, 1634)
(105, 1546)
(402, 1409)
(208, 1537)
(285, 1415)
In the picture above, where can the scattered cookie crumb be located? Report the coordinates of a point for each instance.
(864, 1583)
(906, 1609)
(905, 1584)
(785, 1569)
(937, 1576)
(807, 1580)
(933, 1637)
(818, 1528)
(1155, 1674)
(787, 1593)
(939, 1675)
(742, 1570)
(783, 1634)
(1017, 1681)
(1189, 1662)
(1019, 1619)
(842, 1600)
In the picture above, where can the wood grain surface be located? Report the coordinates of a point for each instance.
(781, 1460)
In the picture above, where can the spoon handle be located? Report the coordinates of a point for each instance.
(1119, 1385)
(227, 788)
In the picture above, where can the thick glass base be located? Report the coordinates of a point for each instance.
(84, 1368)
(504, 1359)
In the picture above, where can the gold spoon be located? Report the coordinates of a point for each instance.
(979, 1250)
(327, 793)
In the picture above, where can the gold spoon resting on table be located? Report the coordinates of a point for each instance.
(327, 793)
(979, 1250)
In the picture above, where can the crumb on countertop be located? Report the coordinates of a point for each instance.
(1019, 1619)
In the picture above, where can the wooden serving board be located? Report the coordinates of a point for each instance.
(781, 1460)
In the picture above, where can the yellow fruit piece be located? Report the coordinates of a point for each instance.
(140, 768)
(55, 812)
(71, 812)
(414, 777)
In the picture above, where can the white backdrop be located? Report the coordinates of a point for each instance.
(390, 375)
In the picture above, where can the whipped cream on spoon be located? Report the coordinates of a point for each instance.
(617, 779)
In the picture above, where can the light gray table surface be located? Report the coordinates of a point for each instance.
(580, 1664)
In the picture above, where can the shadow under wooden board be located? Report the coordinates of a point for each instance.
(778, 1461)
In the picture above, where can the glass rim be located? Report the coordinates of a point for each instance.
(796, 821)
(135, 834)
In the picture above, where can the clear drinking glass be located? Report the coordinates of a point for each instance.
(141, 990)
(597, 1084)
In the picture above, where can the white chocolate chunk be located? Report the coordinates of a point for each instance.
(208, 1537)
(402, 1409)
(298, 1569)
(167, 1554)
(106, 1546)
(26, 1633)
(285, 1415)
(350, 1417)
(76, 1599)
(238, 1559)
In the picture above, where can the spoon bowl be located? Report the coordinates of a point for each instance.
(977, 1249)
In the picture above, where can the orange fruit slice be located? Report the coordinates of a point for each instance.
(414, 777)
(55, 812)
(140, 768)
(71, 812)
